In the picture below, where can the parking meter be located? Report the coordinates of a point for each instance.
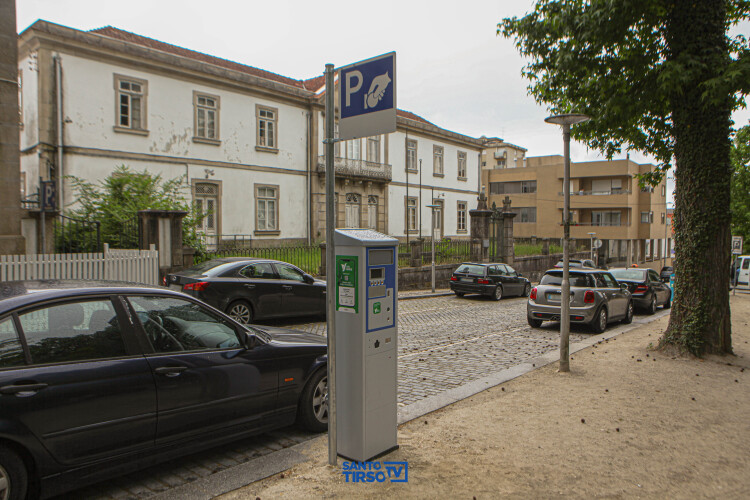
(366, 342)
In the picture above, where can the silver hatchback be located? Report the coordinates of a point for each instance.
(596, 299)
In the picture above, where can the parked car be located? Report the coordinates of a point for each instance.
(665, 273)
(495, 280)
(596, 299)
(98, 379)
(252, 289)
(647, 287)
(587, 263)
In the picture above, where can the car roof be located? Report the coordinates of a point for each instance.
(14, 294)
(578, 270)
(482, 263)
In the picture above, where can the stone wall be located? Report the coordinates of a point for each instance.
(416, 278)
(533, 266)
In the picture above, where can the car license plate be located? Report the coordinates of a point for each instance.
(176, 287)
(468, 280)
(553, 296)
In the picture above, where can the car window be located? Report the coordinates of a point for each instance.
(555, 278)
(287, 272)
(11, 350)
(600, 283)
(609, 280)
(261, 270)
(493, 271)
(173, 324)
(746, 263)
(653, 276)
(511, 271)
(471, 269)
(628, 274)
(73, 331)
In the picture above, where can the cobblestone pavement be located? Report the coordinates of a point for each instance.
(444, 342)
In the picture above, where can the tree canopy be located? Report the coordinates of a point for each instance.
(660, 77)
(741, 184)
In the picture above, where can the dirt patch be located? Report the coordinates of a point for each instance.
(627, 422)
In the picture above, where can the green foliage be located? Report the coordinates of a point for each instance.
(740, 205)
(116, 200)
(613, 60)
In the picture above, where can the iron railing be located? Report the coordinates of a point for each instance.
(224, 242)
(306, 257)
(357, 168)
(77, 235)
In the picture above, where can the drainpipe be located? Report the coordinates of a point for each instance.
(308, 160)
(60, 124)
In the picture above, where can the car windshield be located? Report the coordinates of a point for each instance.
(628, 274)
(471, 269)
(573, 263)
(555, 278)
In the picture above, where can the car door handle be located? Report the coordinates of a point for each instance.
(22, 389)
(248, 285)
(170, 371)
(287, 287)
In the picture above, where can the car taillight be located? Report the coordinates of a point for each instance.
(483, 281)
(588, 297)
(453, 278)
(198, 286)
(532, 295)
(640, 289)
(164, 280)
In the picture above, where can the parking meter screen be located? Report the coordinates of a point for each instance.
(381, 257)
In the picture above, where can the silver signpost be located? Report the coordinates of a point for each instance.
(367, 106)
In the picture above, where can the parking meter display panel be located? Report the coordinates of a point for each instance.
(381, 285)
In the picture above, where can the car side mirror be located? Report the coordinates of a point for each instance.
(520, 275)
(250, 341)
(308, 279)
(623, 286)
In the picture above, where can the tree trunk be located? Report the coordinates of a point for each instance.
(700, 320)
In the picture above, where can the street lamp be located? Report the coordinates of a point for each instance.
(432, 239)
(591, 235)
(566, 121)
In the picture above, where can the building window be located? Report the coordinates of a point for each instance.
(411, 214)
(663, 217)
(354, 149)
(461, 217)
(647, 189)
(602, 218)
(20, 98)
(206, 117)
(437, 160)
(207, 200)
(438, 218)
(500, 163)
(525, 214)
(372, 212)
(411, 155)
(513, 187)
(267, 138)
(664, 190)
(131, 104)
(373, 149)
(353, 201)
(461, 165)
(267, 212)
(23, 186)
(647, 217)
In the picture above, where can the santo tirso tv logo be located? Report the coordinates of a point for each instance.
(375, 472)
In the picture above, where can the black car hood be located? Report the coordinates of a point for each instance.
(295, 337)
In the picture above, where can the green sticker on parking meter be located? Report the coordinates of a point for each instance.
(347, 299)
(376, 308)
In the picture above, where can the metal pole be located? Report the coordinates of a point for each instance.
(565, 299)
(432, 237)
(330, 266)
(44, 222)
(420, 205)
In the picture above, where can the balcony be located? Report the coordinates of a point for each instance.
(358, 169)
(596, 193)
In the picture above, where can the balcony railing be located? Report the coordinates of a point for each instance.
(605, 224)
(596, 193)
(358, 168)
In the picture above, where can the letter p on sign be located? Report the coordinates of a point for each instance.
(350, 89)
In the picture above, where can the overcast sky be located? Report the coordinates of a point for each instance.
(452, 67)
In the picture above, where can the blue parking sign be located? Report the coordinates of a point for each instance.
(49, 196)
(367, 97)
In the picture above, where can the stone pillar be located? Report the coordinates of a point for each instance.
(480, 230)
(11, 240)
(163, 228)
(545, 246)
(508, 252)
(322, 267)
(416, 247)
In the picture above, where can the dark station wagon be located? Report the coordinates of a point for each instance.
(494, 280)
(98, 379)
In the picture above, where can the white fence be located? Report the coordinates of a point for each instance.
(135, 266)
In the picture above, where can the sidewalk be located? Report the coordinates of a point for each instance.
(627, 422)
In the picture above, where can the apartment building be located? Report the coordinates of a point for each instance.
(605, 199)
(248, 141)
(496, 153)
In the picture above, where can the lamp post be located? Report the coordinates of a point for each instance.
(591, 235)
(566, 121)
(432, 240)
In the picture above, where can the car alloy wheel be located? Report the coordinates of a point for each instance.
(241, 312)
(527, 290)
(498, 293)
(652, 306)
(320, 401)
(628, 314)
(600, 322)
(13, 475)
(4, 484)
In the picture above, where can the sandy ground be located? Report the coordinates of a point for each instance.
(627, 422)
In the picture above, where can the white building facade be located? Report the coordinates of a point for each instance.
(248, 142)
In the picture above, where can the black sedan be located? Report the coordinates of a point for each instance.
(647, 287)
(252, 289)
(100, 379)
(495, 280)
